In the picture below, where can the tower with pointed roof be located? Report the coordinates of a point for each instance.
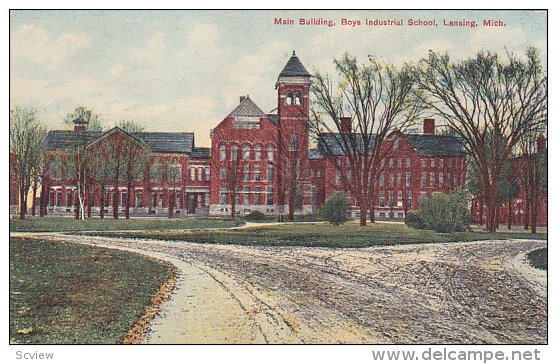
(293, 86)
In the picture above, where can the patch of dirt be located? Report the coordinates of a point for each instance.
(409, 294)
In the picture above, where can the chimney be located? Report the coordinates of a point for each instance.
(429, 126)
(242, 98)
(540, 143)
(345, 125)
(79, 124)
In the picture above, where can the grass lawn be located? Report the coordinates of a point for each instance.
(349, 235)
(538, 258)
(68, 224)
(68, 293)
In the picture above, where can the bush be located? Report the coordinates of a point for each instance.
(335, 209)
(255, 216)
(414, 220)
(442, 213)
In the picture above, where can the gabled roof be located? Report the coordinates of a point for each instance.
(294, 68)
(156, 142)
(428, 145)
(273, 118)
(201, 152)
(247, 108)
(62, 139)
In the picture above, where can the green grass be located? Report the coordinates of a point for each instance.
(538, 258)
(68, 224)
(68, 293)
(349, 235)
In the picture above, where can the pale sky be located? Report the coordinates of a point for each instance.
(185, 70)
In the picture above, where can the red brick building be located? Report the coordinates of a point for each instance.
(259, 156)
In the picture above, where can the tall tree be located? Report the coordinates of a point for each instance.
(379, 98)
(100, 166)
(79, 157)
(134, 158)
(483, 96)
(27, 148)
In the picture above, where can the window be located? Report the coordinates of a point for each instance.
(289, 99)
(381, 199)
(293, 142)
(298, 100)
(408, 162)
(449, 180)
(382, 162)
(269, 195)
(139, 199)
(440, 163)
(391, 179)
(399, 201)
(257, 173)
(450, 163)
(245, 152)
(382, 180)
(192, 174)
(54, 169)
(246, 173)
(233, 152)
(68, 198)
(200, 173)
(391, 201)
(123, 199)
(399, 162)
(432, 162)
(59, 199)
(270, 153)
(155, 172)
(257, 195)
(441, 180)
(174, 173)
(222, 152)
(423, 180)
(408, 179)
(270, 173)
(391, 162)
(432, 179)
(258, 152)
(399, 179)
(223, 195)
(176, 199)
(395, 144)
(408, 199)
(51, 201)
(337, 176)
(222, 173)
(207, 173)
(246, 195)
(423, 162)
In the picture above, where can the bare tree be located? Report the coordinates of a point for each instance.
(79, 153)
(134, 158)
(172, 175)
(27, 148)
(379, 99)
(99, 170)
(481, 97)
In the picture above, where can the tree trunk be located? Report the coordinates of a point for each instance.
(44, 198)
(101, 202)
(481, 212)
(233, 205)
(90, 202)
(527, 212)
(372, 212)
(34, 197)
(170, 203)
(363, 213)
(115, 203)
(291, 203)
(21, 202)
(128, 200)
(510, 214)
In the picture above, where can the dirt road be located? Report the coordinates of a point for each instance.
(430, 293)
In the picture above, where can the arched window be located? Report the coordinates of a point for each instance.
(233, 152)
(245, 152)
(258, 152)
(298, 100)
(54, 169)
(222, 152)
(293, 142)
(270, 153)
(289, 99)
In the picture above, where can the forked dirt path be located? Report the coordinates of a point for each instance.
(481, 292)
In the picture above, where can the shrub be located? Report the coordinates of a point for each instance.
(443, 213)
(414, 220)
(335, 209)
(255, 216)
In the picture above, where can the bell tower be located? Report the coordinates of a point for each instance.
(293, 86)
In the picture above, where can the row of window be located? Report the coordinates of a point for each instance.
(246, 152)
(229, 173)
(432, 162)
(244, 196)
(402, 198)
(442, 179)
